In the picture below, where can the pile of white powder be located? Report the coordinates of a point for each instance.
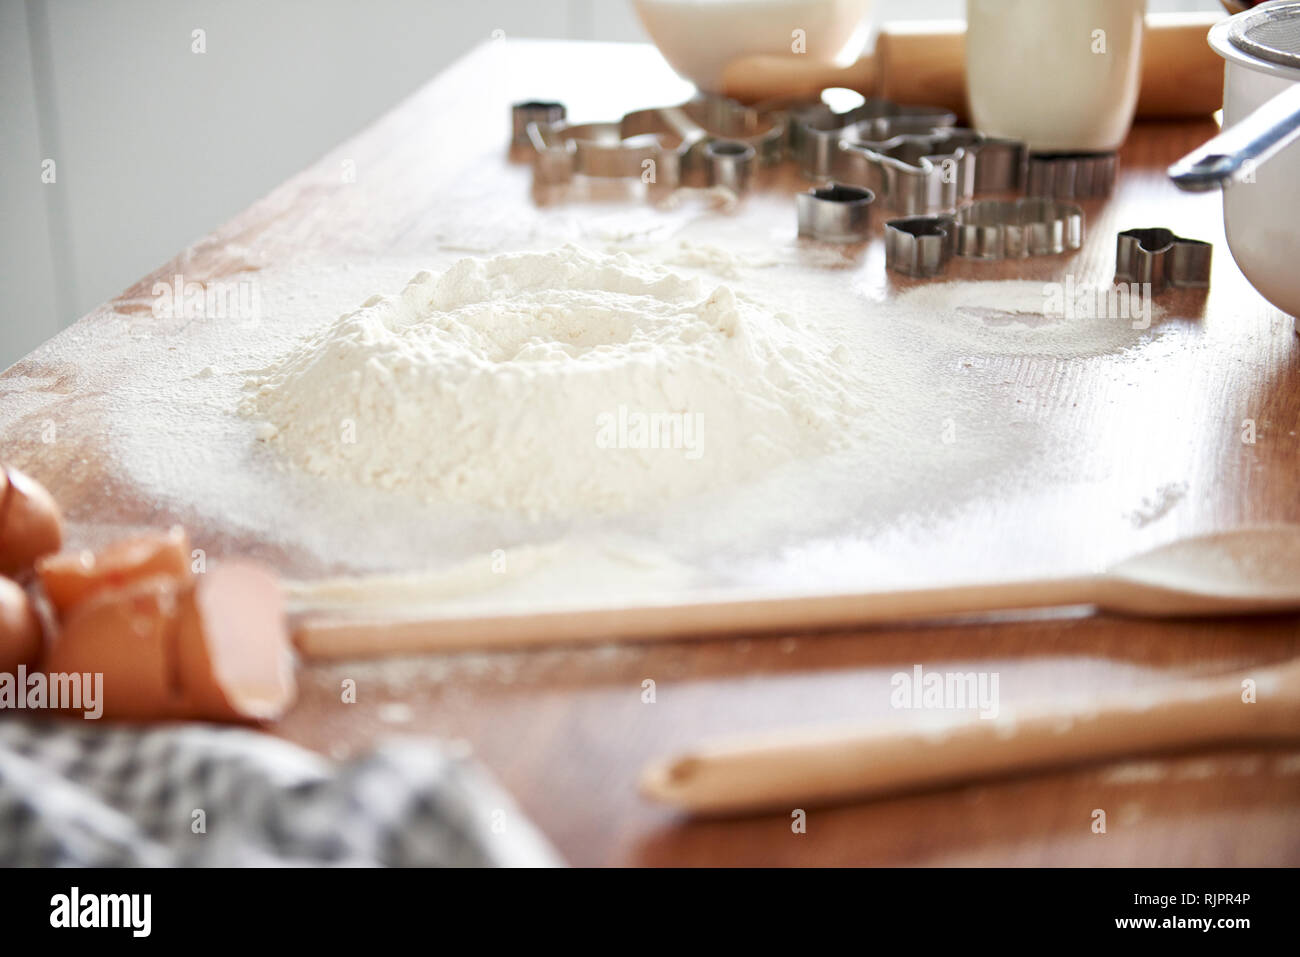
(554, 382)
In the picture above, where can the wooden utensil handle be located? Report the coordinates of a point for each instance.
(791, 771)
(329, 635)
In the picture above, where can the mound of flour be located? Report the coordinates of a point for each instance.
(555, 382)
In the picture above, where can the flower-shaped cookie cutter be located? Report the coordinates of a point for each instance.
(1071, 175)
(987, 229)
(1014, 229)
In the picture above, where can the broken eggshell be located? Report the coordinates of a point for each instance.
(216, 648)
(70, 578)
(234, 654)
(128, 636)
(20, 629)
(31, 524)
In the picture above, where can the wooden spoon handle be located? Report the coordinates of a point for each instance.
(328, 634)
(796, 770)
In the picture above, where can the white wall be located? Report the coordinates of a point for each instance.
(29, 314)
(155, 145)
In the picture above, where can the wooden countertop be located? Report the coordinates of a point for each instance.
(566, 730)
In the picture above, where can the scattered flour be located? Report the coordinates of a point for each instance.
(555, 382)
(468, 577)
(528, 575)
(1157, 506)
(735, 261)
(715, 259)
(1026, 317)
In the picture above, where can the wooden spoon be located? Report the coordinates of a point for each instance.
(798, 769)
(1245, 571)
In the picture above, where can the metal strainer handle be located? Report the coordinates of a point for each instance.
(1237, 151)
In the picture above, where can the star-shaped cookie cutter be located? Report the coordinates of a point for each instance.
(1156, 255)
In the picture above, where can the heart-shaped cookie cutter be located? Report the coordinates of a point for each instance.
(919, 246)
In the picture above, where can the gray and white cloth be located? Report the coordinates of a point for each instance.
(77, 794)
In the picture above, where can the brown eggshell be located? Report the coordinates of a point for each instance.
(31, 524)
(128, 635)
(235, 658)
(70, 578)
(20, 629)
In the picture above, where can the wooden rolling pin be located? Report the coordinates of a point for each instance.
(800, 769)
(925, 62)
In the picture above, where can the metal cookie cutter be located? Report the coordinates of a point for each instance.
(723, 118)
(835, 213)
(545, 112)
(919, 245)
(668, 143)
(1159, 257)
(999, 229)
(1071, 175)
(749, 138)
(816, 130)
(922, 246)
(603, 150)
(917, 173)
(730, 164)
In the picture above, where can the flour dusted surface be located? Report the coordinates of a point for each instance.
(551, 382)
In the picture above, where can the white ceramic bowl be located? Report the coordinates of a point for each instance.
(1262, 219)
(699, 38)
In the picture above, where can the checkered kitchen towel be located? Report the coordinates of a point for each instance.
(197, 795)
